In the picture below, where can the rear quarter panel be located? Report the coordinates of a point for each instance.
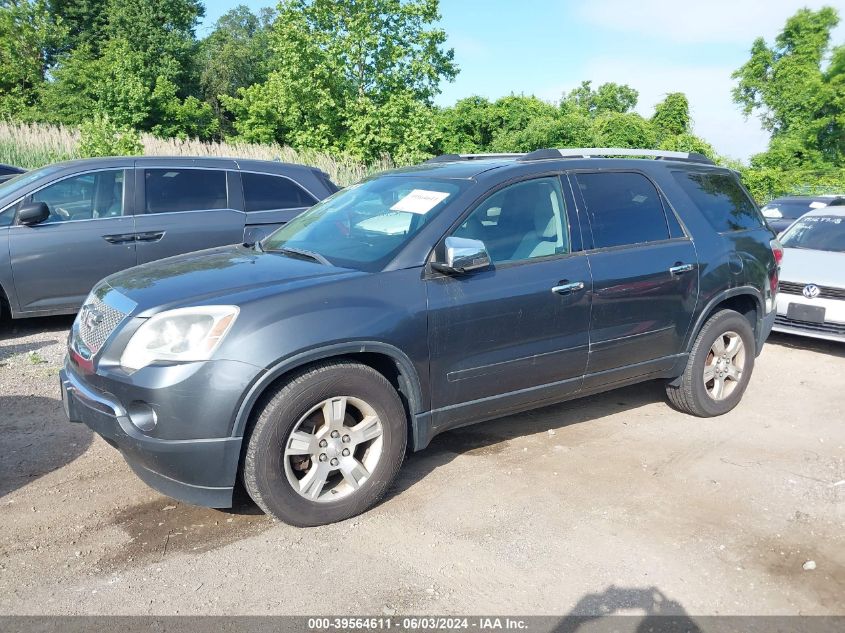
(728, 262)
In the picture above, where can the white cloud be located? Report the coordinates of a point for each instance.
(715, 117)
(738, 21)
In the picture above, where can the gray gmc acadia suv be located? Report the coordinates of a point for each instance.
(417, 301)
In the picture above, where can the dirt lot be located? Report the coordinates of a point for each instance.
(611, 503)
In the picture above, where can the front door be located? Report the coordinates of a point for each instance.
(516, 333)
(88, 236)
(185, 209)
(645, 277)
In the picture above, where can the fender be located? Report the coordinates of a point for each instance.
(727, 294)
(409, 376)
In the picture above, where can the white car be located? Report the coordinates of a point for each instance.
(811, 299)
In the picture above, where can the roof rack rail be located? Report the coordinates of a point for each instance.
(448, 158)
(594, 152)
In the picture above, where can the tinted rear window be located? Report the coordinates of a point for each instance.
(169, 190)
(624, 208)
(721, 199)
(263, 192)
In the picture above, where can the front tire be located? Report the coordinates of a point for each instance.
(718, 368)
(326, 445)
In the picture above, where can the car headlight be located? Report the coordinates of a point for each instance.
(182, 335)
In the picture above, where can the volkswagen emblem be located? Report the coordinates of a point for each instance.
(811, 291)
(91, 317)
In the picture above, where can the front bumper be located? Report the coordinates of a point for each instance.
(831, 329)
(197, 471)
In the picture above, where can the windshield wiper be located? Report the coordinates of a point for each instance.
(300, 253)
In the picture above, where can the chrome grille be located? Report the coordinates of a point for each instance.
(826, 292)
(96, 322)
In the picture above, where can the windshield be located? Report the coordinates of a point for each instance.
(365, 225)
(789, 210)
(817, 232)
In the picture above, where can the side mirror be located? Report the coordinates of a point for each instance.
(33, 213)
(462, 256)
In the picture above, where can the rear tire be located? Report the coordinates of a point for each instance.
(326, 445)
(718, 368)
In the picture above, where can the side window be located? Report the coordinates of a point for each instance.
(170, 190)
(523, 221)
(722, 201)
(7, 216)
(624, 208)
(263, 192)
(85, 197)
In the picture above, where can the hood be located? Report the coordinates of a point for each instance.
(226, 275)
(804, 266)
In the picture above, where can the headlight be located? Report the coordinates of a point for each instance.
(183, 335)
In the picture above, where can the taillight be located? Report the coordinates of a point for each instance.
(777, 251)
(774, 276)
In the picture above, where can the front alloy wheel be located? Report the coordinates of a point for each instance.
(326, 444)
(333, 449)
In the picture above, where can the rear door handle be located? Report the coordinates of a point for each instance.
(681, 269)
(122, 238)
(152, 236)
(568, 288)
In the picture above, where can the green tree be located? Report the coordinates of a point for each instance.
(617, 129)
(101, 136)
(794, 92)
(85, 22)
(234, 55)
(797, 89)
(139, 75)
(465, 128)
(608, 97)
(671, 116)
(336, 65)
(28, 33)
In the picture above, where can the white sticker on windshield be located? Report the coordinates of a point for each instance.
(420, 201)
(818, 205)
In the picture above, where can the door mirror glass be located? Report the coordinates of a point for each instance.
(463, 255)
(33, 213)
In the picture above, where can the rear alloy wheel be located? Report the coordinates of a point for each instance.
(718, 368)
(325, 445)
(724, 365)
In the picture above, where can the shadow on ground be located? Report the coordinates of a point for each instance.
(645, 609)
(18, 328)
(36, 439)
(487, 438)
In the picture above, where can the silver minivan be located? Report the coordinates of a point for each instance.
(65, 226)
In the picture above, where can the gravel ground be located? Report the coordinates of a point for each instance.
(614, 503)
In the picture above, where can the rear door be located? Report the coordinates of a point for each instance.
(645, 276)
(186, 206)
(89, 235)
(271, 201)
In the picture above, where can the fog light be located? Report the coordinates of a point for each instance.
(142, 416)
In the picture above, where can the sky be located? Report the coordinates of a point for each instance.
(547, 47)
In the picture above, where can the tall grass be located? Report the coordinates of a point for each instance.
(34, 145)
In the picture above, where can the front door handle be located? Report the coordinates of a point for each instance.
(122, 238)
(680, 269)
(152, 236)
(568, 287)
